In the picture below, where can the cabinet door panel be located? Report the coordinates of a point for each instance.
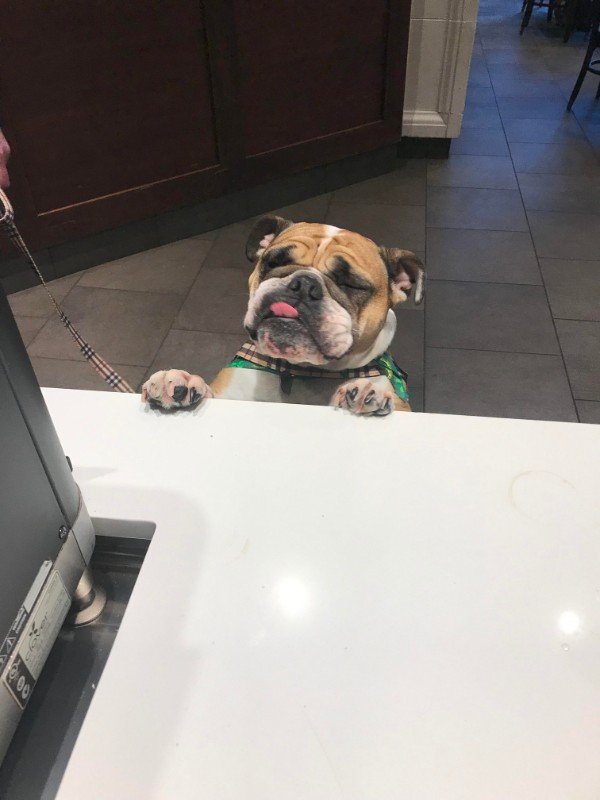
(122, 110)
(309, 69)
(105, 97)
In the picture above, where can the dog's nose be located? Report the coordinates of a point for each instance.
(179, 393)
(307, 287)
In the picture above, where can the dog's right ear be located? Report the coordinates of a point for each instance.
(262, 234)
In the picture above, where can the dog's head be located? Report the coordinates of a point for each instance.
(318, 293)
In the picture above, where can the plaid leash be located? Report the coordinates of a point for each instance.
(102, 367)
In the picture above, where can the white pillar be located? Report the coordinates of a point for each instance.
(439, 57)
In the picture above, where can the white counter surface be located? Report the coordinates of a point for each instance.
(332, 607)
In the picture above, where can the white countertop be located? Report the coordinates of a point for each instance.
(333, 607)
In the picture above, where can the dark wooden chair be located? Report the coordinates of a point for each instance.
(529, 5)
(566, 13)
(589, 65)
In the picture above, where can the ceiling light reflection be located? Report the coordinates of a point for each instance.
(293, 596)
(569, 623)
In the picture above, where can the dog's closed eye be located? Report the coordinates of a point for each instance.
(347, 279)
(277, 257)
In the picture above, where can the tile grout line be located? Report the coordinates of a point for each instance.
(504, 352)
(575, 319)
(485, 283)
(84, 361)
(539, 268)
(183, 299)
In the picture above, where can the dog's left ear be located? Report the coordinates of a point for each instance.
(406, 271)
(262, 234)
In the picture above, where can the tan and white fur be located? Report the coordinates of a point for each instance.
(319, 296)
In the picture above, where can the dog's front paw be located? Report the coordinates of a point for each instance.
(364, 396)
(174, 388)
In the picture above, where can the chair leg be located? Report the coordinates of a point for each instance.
(593, 43)
(526, 16)
(550, 10)
(571, 9)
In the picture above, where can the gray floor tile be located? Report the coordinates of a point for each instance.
(407, 345)
(124, 327)
(490, 209)
(532, 108)
(525, 87)
(572, 158)
(586, 108)
(565, 235)
(486, 316)
(201, 353)
(589, 411)
(592, 134)
(505, 42)
(573, 288)
(516, 63)
(416, 396)
(479, 76)
(589, 126)
(476, 255)
(389, 226)
(404, 186)
(312, 210)
(477, 142)
(587, 93)
(237, 230)
(484, 118)
(36, 303)
(217, 302)
(539, 131)
(478, 172)
(580, 343)
(491, 384)
(63, 374)
(229, 251)
(480, 96)
(578, 193)
(169, 269)
(29, 327)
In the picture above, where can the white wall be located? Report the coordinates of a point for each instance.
(439, 57)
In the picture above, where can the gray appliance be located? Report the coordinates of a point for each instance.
(65, 582)
(46, 536)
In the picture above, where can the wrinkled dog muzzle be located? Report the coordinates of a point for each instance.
(295, 318)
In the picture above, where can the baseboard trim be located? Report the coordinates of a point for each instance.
(418, 123)
(423, 147)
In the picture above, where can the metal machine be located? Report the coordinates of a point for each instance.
(46, 535)
(65, 582)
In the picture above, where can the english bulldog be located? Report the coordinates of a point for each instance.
(319, 321)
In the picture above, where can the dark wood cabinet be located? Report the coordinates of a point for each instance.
(117, 111)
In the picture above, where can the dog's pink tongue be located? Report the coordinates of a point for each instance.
(282, 309)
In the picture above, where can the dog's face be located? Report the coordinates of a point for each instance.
(318, 293)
